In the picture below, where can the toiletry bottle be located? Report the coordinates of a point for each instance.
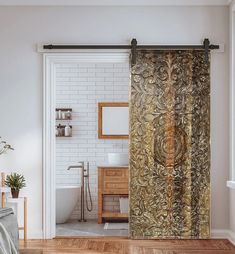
(68, 115)
(60, 130)
(59, 114)
(56, 131)
(67, 131)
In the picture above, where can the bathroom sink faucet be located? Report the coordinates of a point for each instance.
(84, 174)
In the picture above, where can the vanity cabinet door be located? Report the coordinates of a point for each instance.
(111, 181)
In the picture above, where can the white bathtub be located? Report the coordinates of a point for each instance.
(66, 200)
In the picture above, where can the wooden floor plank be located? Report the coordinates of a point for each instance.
(112, 245)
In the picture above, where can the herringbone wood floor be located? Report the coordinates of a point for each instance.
(125, 246)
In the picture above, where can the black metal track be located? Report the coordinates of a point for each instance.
(143, 47)
(133, 47)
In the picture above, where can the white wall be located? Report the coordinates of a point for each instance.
(21, 28)
(232, 76)
(81, 86)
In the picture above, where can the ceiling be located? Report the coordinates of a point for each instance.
(114, 2)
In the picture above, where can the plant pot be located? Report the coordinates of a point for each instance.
(15, 193)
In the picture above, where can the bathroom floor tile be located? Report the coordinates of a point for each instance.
(89, 228)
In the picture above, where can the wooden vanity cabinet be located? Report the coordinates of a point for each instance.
(111, 181)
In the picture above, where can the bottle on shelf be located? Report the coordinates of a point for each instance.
(60, 130)
(59, 114)
(68, 115)
(56, 131)
(67, 130)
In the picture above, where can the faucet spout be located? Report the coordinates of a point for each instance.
(75, 166)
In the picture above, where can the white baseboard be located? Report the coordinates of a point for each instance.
(231, 237)
(34, 235)
(223, 234)
(219, 234)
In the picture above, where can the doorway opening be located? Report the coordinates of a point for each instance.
(74, 85)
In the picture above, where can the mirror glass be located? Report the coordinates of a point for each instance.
(113, 120)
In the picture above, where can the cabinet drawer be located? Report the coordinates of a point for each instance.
(116, 186)
(115, 174)
(115, 192)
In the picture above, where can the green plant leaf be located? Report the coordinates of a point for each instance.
(15, 181)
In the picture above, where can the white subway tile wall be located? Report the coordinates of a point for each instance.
(81, 86)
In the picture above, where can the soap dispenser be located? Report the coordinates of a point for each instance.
(67, 131)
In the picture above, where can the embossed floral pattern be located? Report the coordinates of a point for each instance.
(170, 145)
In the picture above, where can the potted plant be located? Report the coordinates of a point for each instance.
(16, 182)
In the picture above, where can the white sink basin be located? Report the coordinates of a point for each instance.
(118, 159)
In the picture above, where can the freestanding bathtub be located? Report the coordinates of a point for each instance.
(66, 200)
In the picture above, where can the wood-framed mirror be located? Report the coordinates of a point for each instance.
(113, 120)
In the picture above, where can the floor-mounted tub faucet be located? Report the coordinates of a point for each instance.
(85, 188)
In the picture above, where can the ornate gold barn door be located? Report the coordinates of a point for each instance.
(170, 145)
